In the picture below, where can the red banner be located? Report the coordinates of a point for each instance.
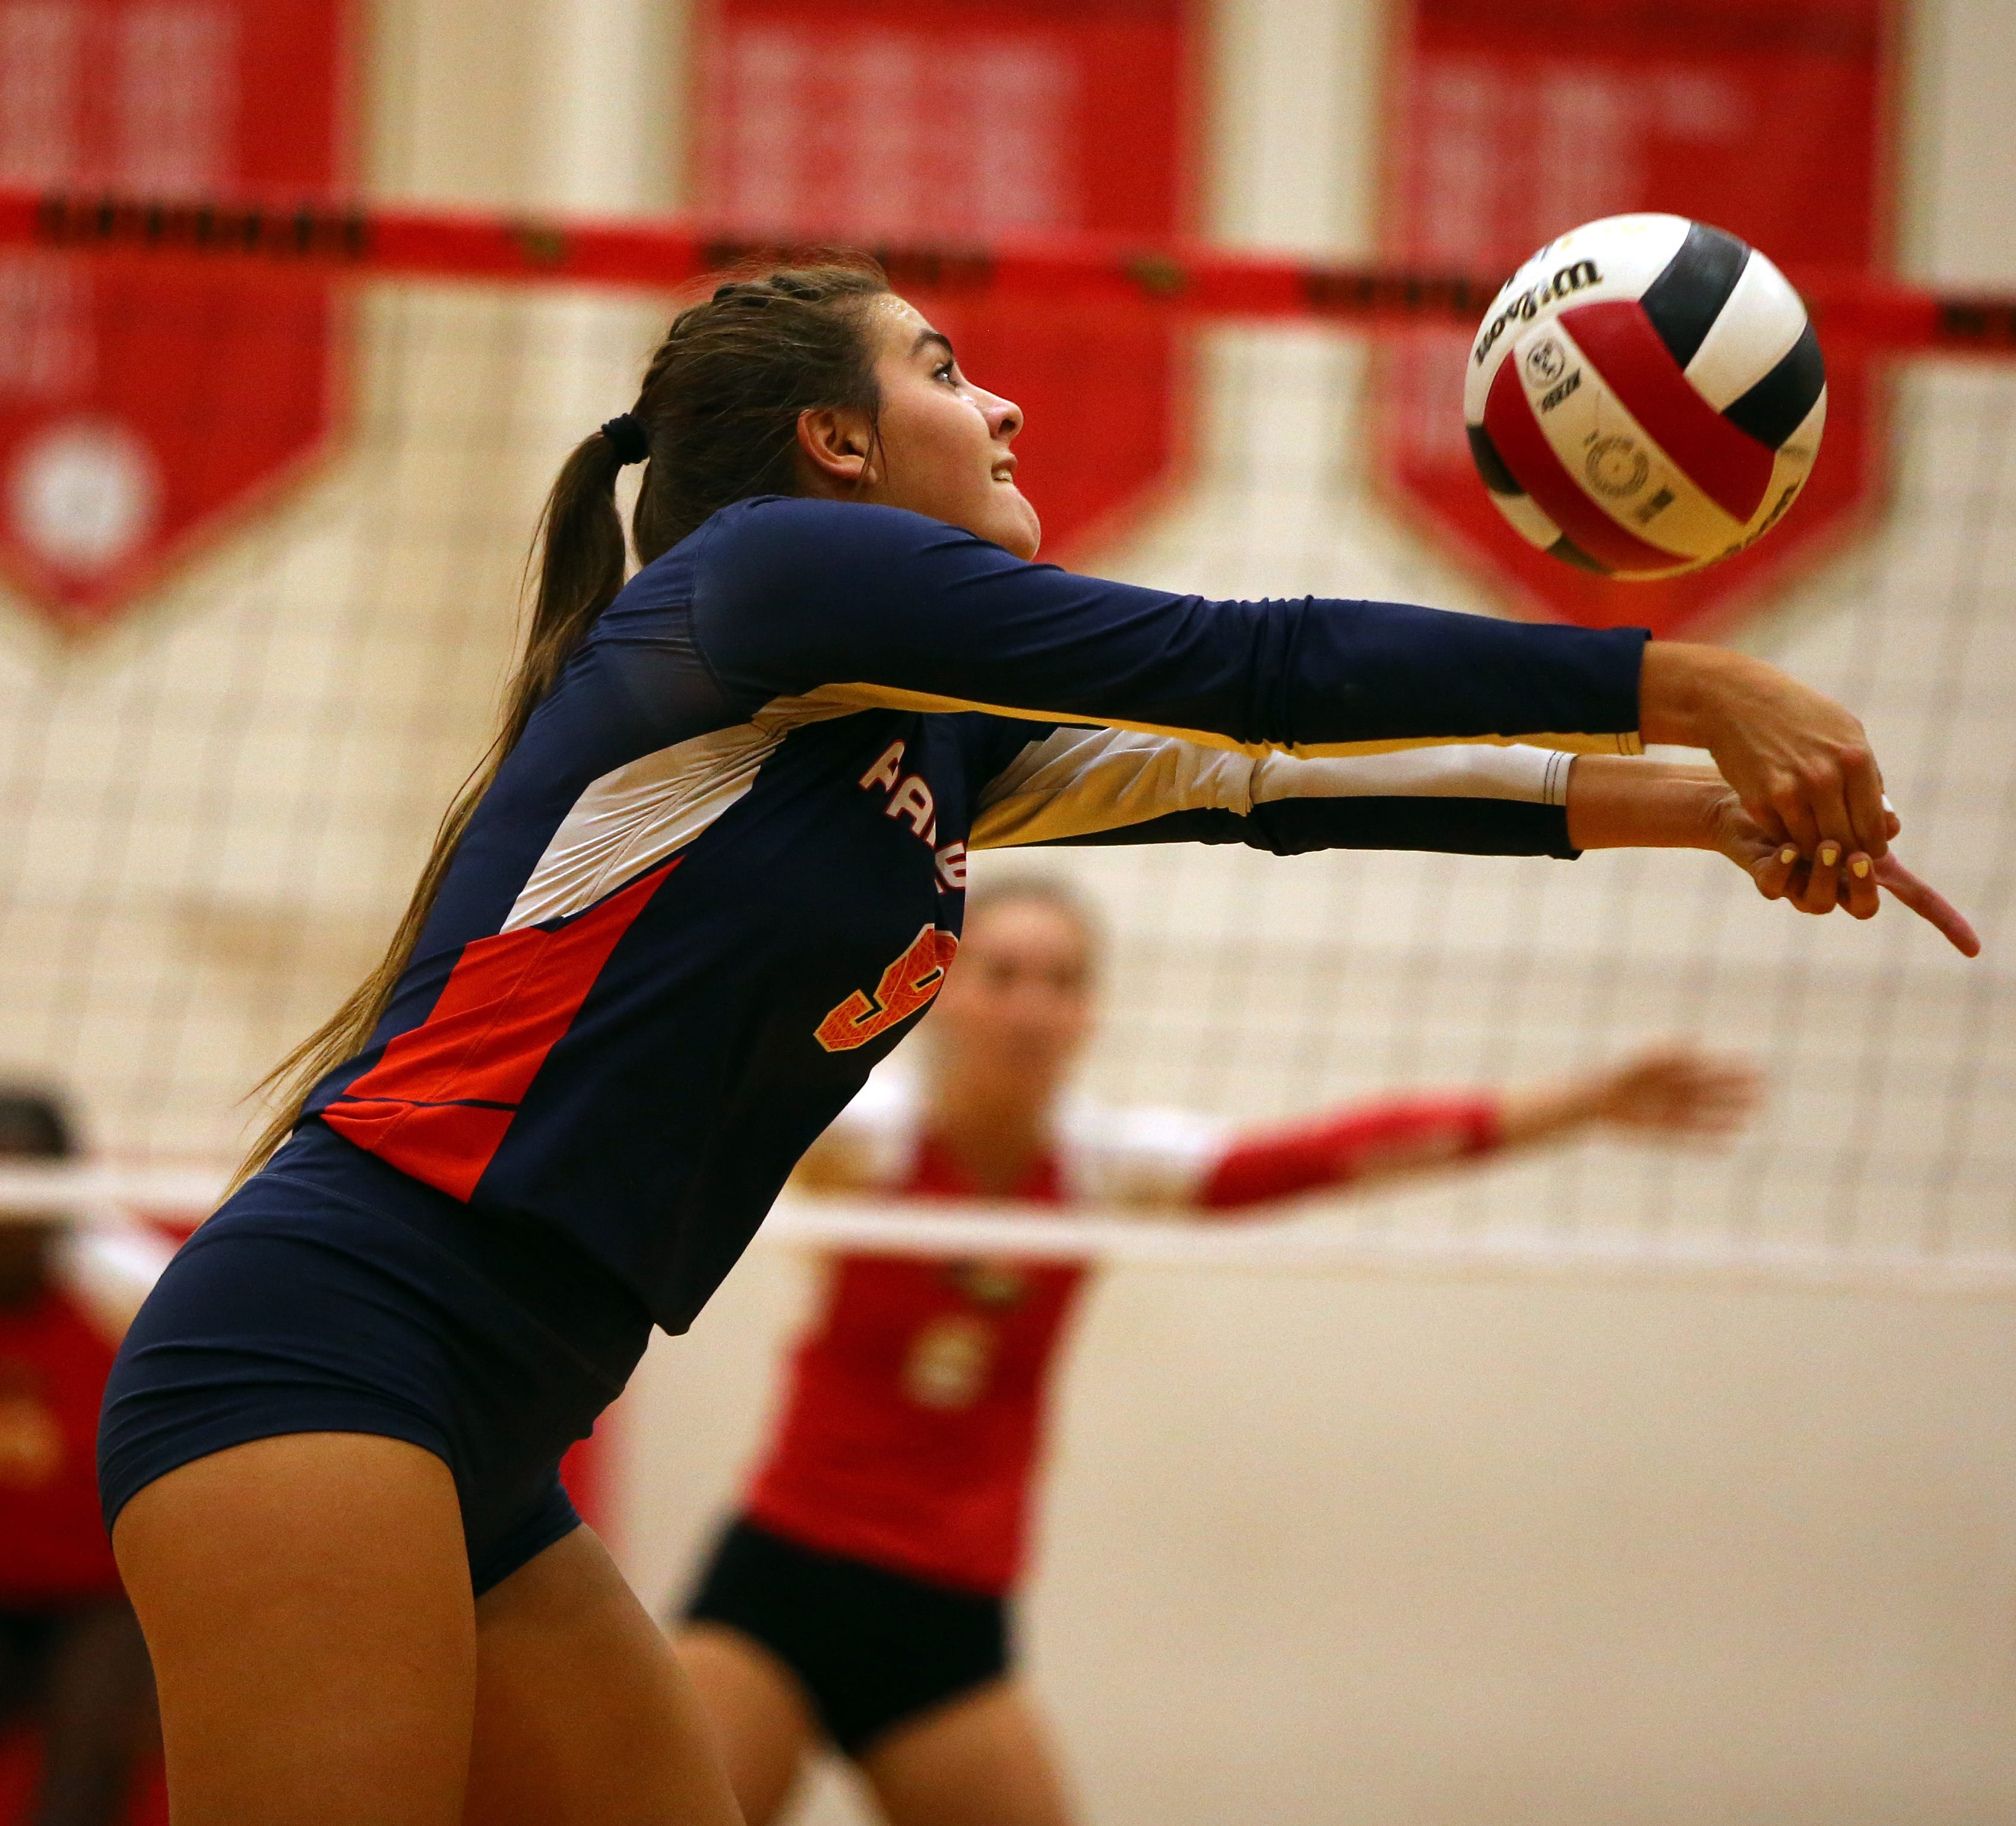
(1515, 123)
(137, 412)
(963, 123)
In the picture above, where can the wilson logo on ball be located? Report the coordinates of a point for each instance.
(1645, 397)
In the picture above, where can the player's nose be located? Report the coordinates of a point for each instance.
(1003, 417)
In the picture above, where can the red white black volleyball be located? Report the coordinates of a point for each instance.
(1645, 397)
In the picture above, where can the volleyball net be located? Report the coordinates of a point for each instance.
(216, 802)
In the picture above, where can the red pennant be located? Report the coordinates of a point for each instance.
(963, 123)
(139, 414)
(1512, 125)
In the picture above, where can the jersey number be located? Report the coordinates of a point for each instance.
(907, 985)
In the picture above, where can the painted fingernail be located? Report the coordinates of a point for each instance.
(1860, 867)
(1830, 855)
(1789, 855)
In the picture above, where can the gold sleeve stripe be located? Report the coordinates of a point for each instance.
(864, 696)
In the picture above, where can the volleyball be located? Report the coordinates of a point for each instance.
(1645, 397)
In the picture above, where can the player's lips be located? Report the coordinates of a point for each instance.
(1004, 470)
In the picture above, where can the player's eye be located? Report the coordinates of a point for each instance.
(947, 371)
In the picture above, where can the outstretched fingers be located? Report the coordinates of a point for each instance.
(1712, 1095)
(1773, 872)
(1830, 881)
(1859, 886)
(1822, 892)
(1782, 871)
(1929, 904)
(1835, 880)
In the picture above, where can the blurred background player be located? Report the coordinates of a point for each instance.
(861, 1596)
(72, 1662)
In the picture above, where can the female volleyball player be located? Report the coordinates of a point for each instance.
(862, 1595)
(712, 871)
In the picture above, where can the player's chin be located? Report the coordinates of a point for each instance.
(1012, 523)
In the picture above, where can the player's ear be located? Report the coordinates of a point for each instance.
(834, 443)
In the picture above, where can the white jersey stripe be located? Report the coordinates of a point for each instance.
(1148, 1158)
(1076, 782)
(635, 816)
(861, 695)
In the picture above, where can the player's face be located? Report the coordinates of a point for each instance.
(946, 442)
(1017, 1003)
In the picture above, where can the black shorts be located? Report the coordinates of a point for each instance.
(31, 1635)
(872, 1648)
(333, 1294)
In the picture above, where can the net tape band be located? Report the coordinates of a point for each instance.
(319, 240)
(1298, 1245)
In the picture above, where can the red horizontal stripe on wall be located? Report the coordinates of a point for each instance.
(275, 237)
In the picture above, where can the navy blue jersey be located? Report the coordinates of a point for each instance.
(724, 867)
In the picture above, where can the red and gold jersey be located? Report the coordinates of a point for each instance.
(916, 1413)
(55, 1353)
(913, 1422)
(53, 1364)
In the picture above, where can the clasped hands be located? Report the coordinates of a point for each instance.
(1830, 876)
(1796, 799)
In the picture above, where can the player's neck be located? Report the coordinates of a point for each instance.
(994, 1141)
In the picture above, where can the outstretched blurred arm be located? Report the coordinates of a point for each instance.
(1668, 1090)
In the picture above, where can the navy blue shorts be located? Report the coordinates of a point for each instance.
(333, 1294)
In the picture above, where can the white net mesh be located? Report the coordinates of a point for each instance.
(1252, 984)
(214, 812)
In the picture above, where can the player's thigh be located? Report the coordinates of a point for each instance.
(306, 1600)
(982, 1759)
(583, 1717)
(760, 1717)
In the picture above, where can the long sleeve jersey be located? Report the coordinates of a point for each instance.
(911, 1429)
(725, 864)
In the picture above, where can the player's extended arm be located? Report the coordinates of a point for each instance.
(1615, 803)
(1073, 785)
(866, 606)
(870, 606)
(1668, 1090)
(1394, 1135)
